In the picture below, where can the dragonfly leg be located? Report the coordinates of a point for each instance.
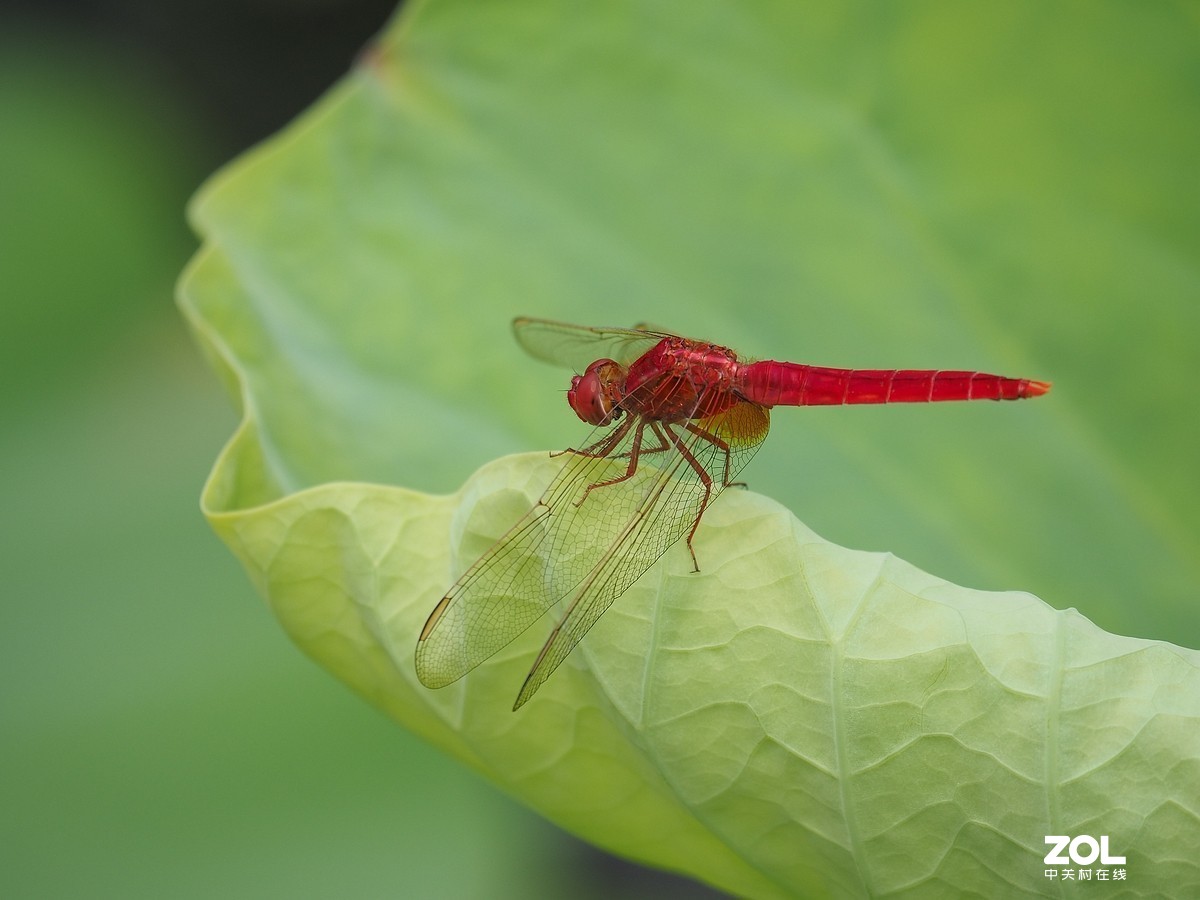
(602, 447)
(635, 451)
(717, 442)
(705, 478)
(662, 445)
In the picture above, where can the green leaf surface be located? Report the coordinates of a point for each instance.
(796, 719)
(993, 188)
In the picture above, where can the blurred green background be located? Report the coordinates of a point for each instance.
(159, 735)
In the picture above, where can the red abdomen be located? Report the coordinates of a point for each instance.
(773, 383)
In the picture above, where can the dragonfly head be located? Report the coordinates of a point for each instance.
(596, 393)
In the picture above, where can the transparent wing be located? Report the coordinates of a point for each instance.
(669, 507)
(577, 346)
(586, 547)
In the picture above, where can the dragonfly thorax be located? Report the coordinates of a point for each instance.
(679, 380)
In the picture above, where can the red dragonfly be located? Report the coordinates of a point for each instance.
(675, 421)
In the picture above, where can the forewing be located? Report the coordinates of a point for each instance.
(646, 519)
(511, 586)
(575, 347)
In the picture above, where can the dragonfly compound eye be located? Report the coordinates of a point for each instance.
(594, 395)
